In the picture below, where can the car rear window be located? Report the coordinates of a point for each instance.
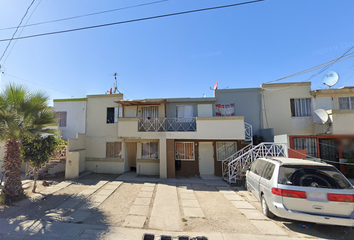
(312, 176)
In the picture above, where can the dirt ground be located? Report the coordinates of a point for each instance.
(220, 214)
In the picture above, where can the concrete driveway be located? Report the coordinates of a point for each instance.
(100, 206)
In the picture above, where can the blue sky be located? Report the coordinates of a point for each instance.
(179, 56)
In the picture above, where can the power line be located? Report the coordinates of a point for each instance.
(328, 63)
(16, 30)
(13, 45)
(130, 21)
(85, 15)
(55, 89)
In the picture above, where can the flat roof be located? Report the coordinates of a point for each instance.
(286, 84)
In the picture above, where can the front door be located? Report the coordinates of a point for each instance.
(206, 158)
(131, 152)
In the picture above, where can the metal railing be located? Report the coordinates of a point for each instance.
(233, 167)
(167, 124)
(248, 133)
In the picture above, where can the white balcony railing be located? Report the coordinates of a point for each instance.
(167, 124)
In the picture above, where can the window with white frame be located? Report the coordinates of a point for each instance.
(225, 150)
(62, 117)
(150, 150)
(113, 113)
(225, 109)
(113, 149)
(185, 151)
(300, 107)
(346, 102)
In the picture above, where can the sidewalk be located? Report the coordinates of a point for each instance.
(36, 230)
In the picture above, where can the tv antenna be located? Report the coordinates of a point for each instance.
(115, 84)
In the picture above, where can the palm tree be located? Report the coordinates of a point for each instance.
(22, 113)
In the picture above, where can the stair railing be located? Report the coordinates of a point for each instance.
(235, 167)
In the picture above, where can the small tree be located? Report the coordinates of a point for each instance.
(38, 150)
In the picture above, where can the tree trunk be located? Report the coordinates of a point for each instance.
(35, 176)
(12, 163)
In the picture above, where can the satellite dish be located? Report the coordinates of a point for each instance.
(215, 86)
(320, 116)
(330, 78)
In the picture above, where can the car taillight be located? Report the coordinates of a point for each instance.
(340, 197)
(288, 193)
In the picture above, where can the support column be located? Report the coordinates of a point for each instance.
(163, 158)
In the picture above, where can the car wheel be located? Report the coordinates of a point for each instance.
(265, 208)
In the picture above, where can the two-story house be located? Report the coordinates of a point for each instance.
(163, 137)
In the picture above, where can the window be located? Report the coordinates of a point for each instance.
(62, 116)
(150, 150)
(150, 112)
(309, 144)
(260, 167)
(113, 113)
(114, 149)
(185, 113)
(312, 176)
(300, 107)
(346, 103)
(225, 109)
(225, 150)
(184, 151)
(268, 173)
(253, 166)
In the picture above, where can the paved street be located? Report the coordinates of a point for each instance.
(100, 206)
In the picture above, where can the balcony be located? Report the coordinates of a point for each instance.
(167, 124)
(342, 120)
(224, 128)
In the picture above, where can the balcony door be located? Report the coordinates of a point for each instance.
(150, 112)
(185, 113)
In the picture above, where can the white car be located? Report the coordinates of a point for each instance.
(302, 190)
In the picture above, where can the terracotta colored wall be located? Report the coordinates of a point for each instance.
(297, 153)
(190, 168)
(170, 149)
(218, 164)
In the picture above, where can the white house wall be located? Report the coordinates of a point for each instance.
(76, 114)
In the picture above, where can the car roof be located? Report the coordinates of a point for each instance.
(296, 161)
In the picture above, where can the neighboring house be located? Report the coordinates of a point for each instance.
(164, 137)
(71, 114)
(289, 108)
(245, 102)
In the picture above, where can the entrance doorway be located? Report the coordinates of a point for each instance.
(131, 153)
(206, 158)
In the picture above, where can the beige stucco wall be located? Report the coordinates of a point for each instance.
(72, 165)
(130, 111)
(98, 132)
(207, 128)
(148, 167)
(277, 110)
(113, 165)
(343, 121)
(78, 145)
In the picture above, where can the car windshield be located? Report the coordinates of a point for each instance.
(312, 176)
